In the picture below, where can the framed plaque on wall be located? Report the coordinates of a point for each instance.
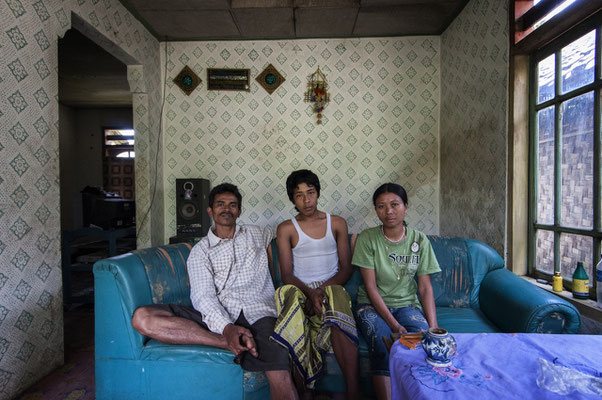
(228, 79)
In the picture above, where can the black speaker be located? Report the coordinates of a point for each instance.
(191, 204)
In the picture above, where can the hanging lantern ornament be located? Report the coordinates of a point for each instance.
(317, 92)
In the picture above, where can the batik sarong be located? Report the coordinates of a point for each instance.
(308, 337)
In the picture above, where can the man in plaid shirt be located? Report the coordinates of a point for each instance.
(232, 295)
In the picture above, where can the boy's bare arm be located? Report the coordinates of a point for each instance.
(339, 227)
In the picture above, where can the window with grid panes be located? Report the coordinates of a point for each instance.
(119, 143)
(565, 206)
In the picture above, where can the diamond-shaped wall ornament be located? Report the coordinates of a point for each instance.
(270, 79)
(187, 80)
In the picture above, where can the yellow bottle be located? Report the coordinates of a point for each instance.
(557, 282)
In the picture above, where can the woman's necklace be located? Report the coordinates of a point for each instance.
(403, 235)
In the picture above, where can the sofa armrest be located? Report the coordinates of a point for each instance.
(515, 305)
(120, 286)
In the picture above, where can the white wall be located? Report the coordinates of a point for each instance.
(382, 124)
(474, 87)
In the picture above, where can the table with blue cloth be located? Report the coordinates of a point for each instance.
(503, 366)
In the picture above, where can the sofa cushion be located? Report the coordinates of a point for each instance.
(464, 320)
(157, 351)
(165, 268)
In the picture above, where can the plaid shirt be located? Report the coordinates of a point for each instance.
(228, 276)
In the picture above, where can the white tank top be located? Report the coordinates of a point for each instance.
(315, 260)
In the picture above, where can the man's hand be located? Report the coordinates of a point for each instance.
(316, 298)
(239, 339)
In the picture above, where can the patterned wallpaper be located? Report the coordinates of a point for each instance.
(381, 125)
(31, 313)
(474, 83)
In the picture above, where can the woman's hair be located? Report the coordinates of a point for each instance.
(390, 188)
(298, 177)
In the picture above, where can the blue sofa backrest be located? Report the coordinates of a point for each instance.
(464, 263)
(132, 280)
(165, 268)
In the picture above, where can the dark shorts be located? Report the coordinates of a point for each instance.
(272, 356)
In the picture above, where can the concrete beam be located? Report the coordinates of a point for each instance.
(268, 4)
(326, 3)
(184, 25)
(325, 22)
(177, 4)
(252, 22)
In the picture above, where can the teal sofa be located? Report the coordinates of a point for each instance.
(473, 293)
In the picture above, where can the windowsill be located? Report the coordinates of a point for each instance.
(586, 307)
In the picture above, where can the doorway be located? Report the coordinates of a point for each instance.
(93, 94)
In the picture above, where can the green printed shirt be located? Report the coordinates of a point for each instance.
(395, 265)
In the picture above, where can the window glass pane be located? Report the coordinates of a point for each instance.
(119, 132)
(578, 62)
(545, 166)
(545, 252)
(577, 178)
(119, 137)
(126, 154)
(553, 13)
(574, 248)
(545, 79)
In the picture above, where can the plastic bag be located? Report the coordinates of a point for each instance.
(566, 379)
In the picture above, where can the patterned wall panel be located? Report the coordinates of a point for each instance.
(474, 82)
(381, 125)
(31, 313)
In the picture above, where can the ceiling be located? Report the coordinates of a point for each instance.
(91, 77)
(292, 19)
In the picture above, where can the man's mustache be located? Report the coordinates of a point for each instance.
(227, 213)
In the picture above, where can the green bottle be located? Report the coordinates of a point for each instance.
(580, 282)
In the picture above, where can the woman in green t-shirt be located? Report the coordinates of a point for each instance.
(390, 300)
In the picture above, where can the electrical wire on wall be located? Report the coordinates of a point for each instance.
(150, 206)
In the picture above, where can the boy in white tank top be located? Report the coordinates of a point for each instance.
(314, 309)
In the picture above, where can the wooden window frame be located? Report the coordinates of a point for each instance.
(555, 47)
